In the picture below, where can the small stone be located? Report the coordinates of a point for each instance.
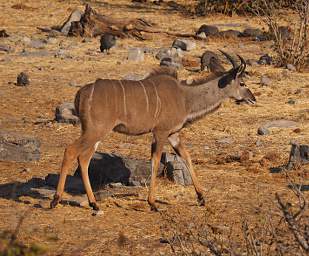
(179, 44)
(22, 79)
(291, 102)
(265, 60)
(208, 30)
(136, 54)
(202, 35)
(263, 131)
(258, 143)
(291, 67)
(265, 80)
(115, 185)
(72, 83)
(65, 113)
(98, 213)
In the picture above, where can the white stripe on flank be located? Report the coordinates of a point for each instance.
(158, 101)
(146, 95)
(124, 98)
(90, 101)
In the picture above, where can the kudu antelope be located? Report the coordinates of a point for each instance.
(159, 104)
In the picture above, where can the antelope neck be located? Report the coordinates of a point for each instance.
(202, 99)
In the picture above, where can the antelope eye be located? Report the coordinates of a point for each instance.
(242, 84)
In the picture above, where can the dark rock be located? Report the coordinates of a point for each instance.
(265, 60)
(107, 41)
(183, 44)
(252, 32)
(211, 60)
(178, 44)
(263, 131)
(18, 148)
(231, 33)
(265, 80)
(136, 54)
(22, 79)
(171, 62)
(3, 33)
(73, 184)
(299, 155)
(208, 30)
(110, 168)
(74, 17)
(175, 169)
(65, 113)
(291, 102)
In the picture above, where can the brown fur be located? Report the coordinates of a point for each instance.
(159, 104)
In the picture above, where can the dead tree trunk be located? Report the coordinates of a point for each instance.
(299, 155)
(94, 24)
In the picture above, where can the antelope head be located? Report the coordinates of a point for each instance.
(232, 84)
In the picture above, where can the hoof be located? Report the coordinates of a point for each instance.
(55, 201)
(94, 206)
(200, 200)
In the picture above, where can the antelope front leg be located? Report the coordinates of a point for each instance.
(181, 151)
(156, 152)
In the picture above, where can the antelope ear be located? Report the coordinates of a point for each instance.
(227, 79)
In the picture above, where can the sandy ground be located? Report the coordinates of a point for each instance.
(235, 190)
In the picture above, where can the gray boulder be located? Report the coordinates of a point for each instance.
(18, 148)
(208, 30)
(175, 169)
(65, 113)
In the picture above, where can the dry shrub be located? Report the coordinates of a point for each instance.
(230, 7)
(291, 45)
(10, 246)
(283, 231)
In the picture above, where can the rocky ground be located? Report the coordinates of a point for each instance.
(234, 163)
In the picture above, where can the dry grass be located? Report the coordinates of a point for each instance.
(235, 189)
